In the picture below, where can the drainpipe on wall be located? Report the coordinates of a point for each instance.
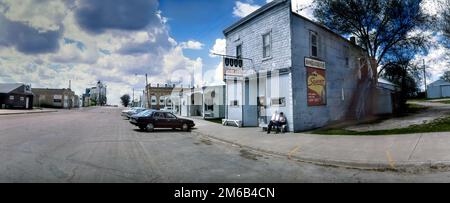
(203, 102)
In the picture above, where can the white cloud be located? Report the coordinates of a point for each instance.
(243, 9)
(125, 53)
(218, 48)
(437, 62)
(43, 15)
(433, 7)
(70, 53)
(191, 44)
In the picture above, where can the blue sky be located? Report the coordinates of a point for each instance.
(46, 43)
(201, 20)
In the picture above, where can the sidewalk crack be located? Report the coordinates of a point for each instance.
(415, 147)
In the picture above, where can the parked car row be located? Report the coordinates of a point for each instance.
(132, 111)
(150, 119)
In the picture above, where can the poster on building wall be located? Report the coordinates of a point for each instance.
(316, 81)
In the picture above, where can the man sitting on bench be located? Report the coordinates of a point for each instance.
(277, 121)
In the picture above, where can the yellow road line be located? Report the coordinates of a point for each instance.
(293, 151)
(390, 159)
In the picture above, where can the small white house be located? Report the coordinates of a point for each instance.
(207, 102)
(438, 89)
(385, 90)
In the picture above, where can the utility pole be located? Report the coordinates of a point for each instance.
(425, 77)
(132, 103)
(147, 90)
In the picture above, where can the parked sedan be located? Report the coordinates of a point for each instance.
(135, 111)
(151, 119)
(125, 112)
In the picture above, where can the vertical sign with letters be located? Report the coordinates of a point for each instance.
(316, 82)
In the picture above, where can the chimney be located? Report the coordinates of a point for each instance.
(353, 40)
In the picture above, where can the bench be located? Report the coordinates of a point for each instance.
(282, 129)
(209, 114)
(236, 123)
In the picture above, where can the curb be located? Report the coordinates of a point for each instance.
(377, 166)
(22, 113)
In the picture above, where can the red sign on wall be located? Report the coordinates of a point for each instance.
(316, 82)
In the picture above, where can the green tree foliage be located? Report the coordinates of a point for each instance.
(125, 99)
(93, 102)
(379, 25)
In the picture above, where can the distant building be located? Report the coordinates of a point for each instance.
(16, 96)
(86, 98)
(98, 94)
(55, 98)
(386, 96)
(438, 89)
(95, 96)
(159, 96)
(207, 102)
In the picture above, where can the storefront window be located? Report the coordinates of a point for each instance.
(279, 101)
(314, 44)
(11, 97)
(267, 45)
(239, 51)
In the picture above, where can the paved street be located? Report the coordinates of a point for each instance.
(97, 145)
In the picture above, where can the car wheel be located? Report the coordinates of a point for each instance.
(150, 127)
(185, 127)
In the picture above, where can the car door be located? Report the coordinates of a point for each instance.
(147, 118)
(159, 120)
(172, 121)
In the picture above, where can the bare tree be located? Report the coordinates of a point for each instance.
(445, 22)
(446, 76)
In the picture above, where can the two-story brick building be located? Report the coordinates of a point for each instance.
(295, 66)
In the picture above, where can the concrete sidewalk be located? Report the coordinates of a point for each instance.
(16, 112)
(435, 111)
(367, 152)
